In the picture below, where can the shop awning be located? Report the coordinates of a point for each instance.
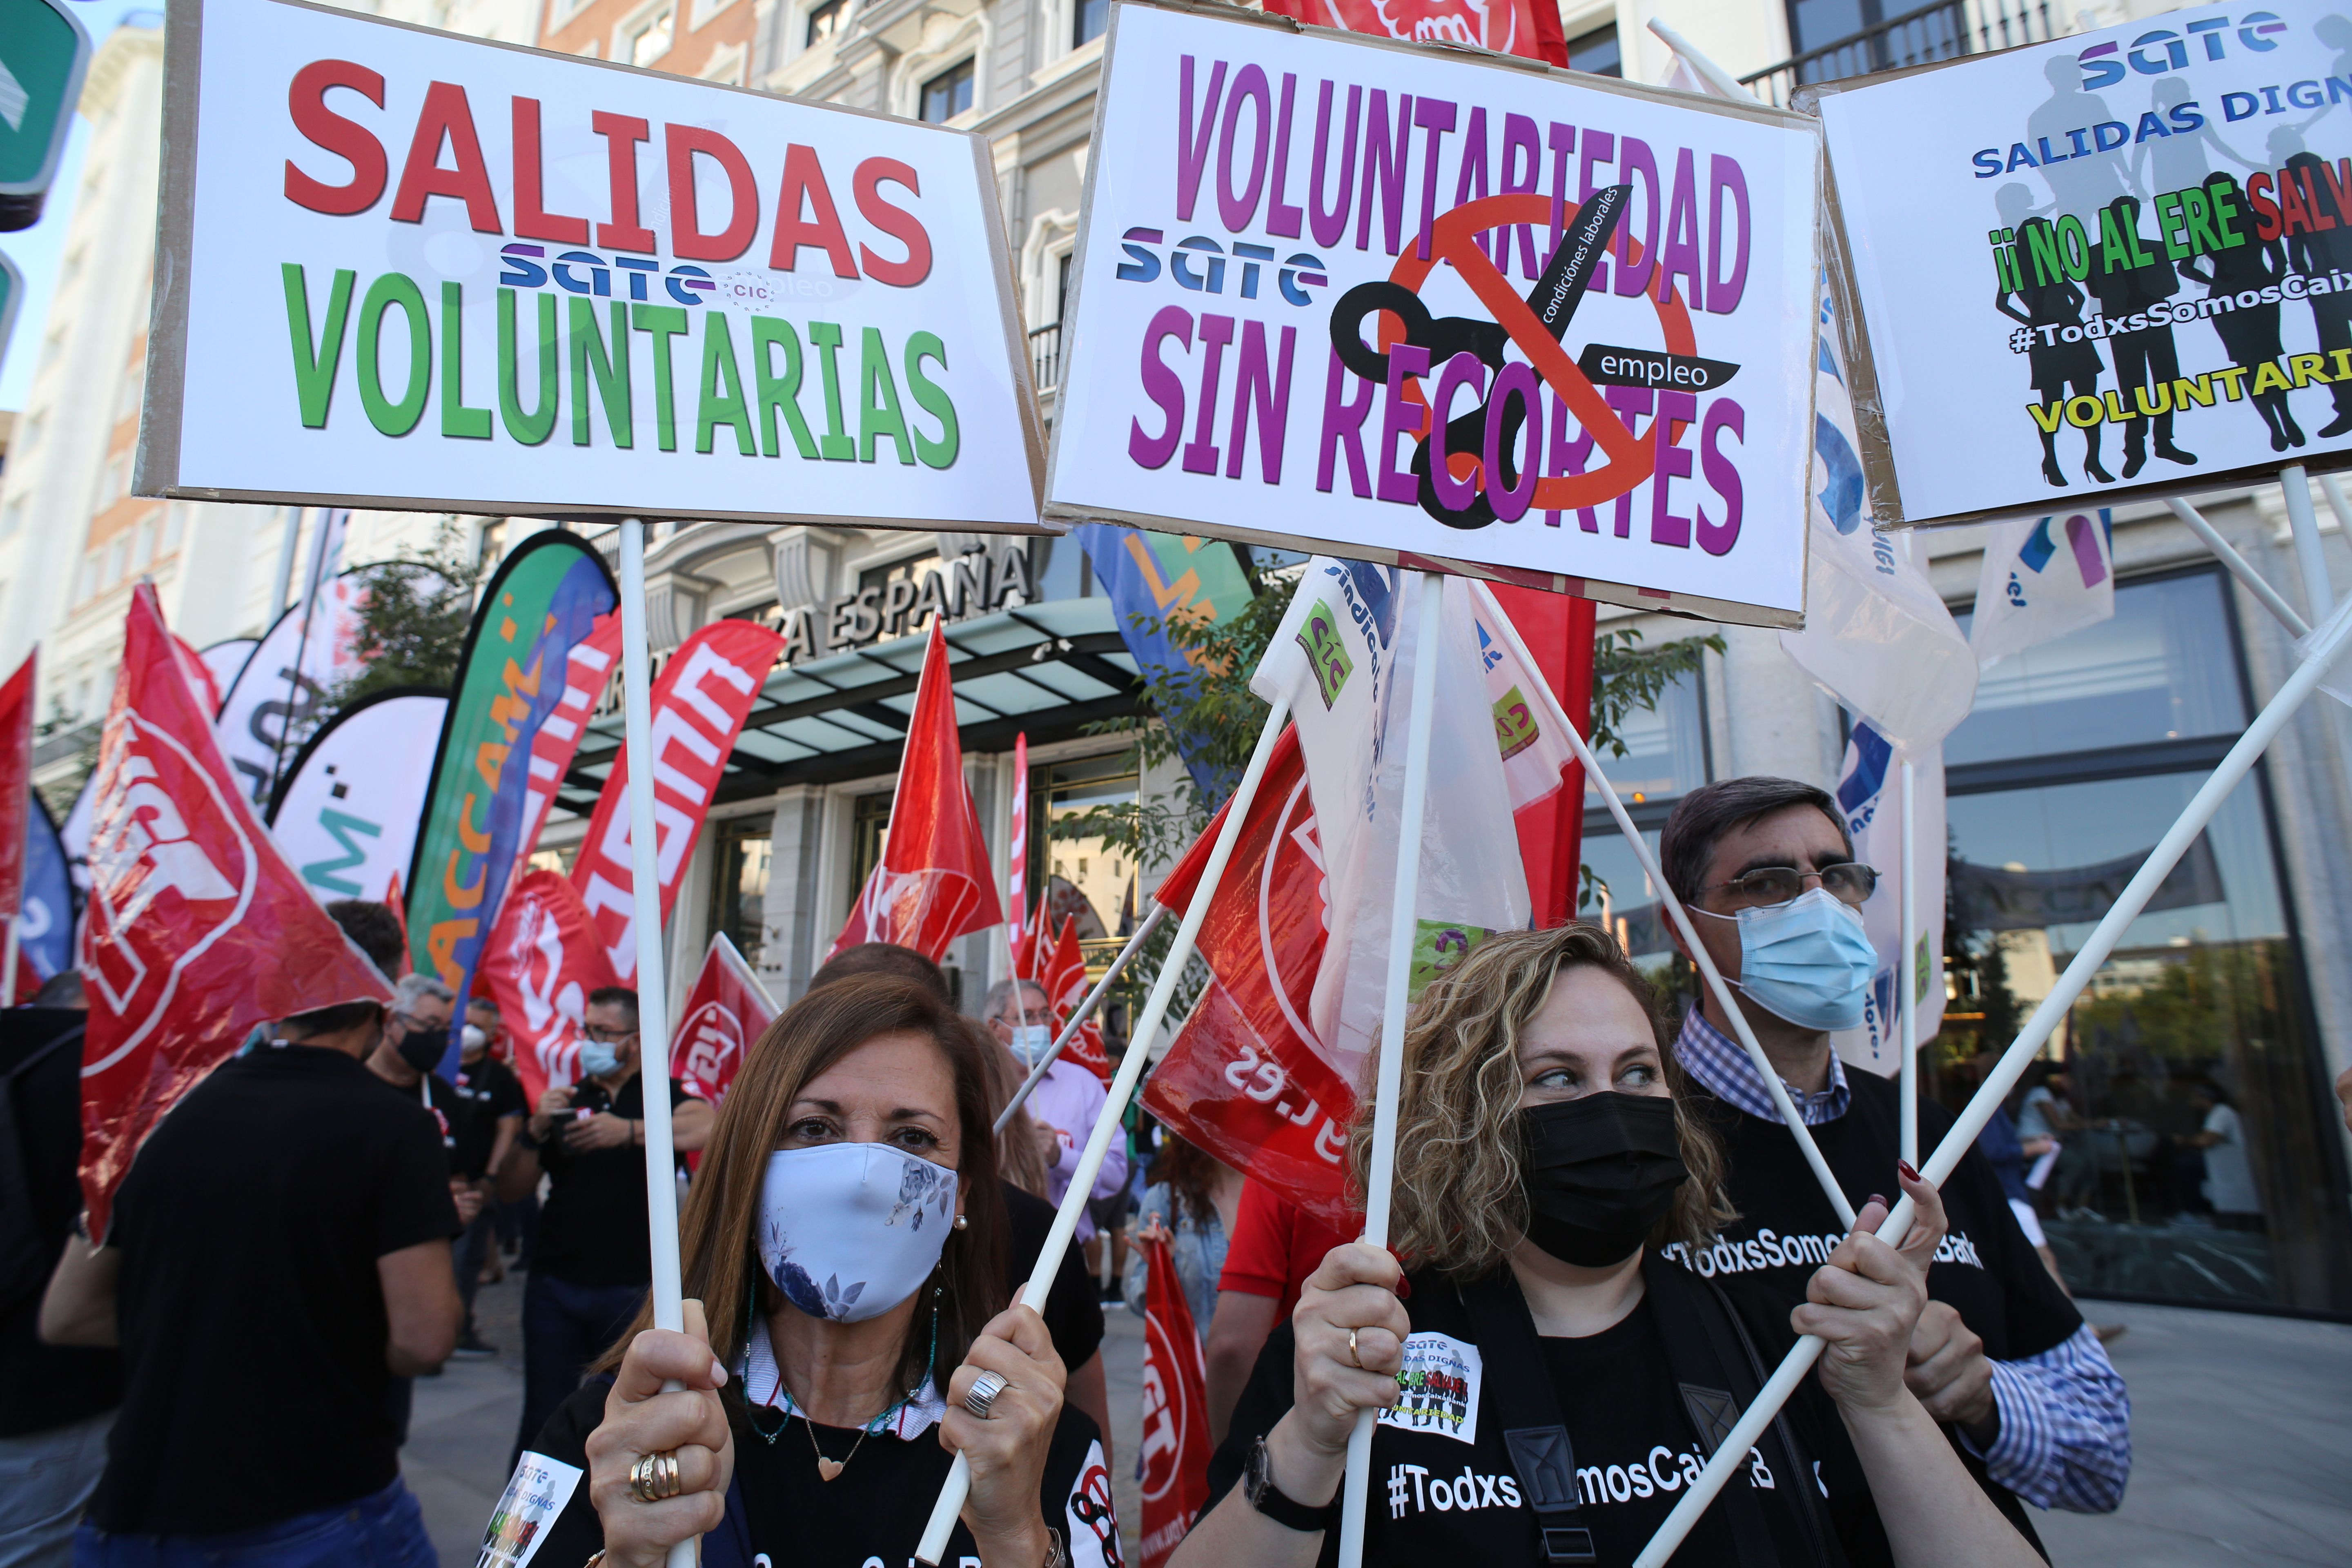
(1045, 669)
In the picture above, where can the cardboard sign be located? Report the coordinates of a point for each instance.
(2115, 263)
(1296, 243)
(405, 269)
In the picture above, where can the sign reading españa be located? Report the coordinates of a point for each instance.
(403, 269)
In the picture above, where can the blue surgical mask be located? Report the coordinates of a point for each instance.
(1031, 1041)
(598, 1059)
(1808, 961)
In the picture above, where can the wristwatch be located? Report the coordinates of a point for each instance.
(1258, 1488)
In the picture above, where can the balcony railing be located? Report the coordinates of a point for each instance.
(1943, 31)
(1045, 357)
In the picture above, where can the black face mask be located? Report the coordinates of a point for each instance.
(423, 1049)
(1597, 1173)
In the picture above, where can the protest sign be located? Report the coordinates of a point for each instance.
(2114, 263)
(447, 274)
(1607, 288)
(347, 814)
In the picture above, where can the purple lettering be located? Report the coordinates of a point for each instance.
(1520, 142)
(1200, 452)
(1435, 116)
(1401, 418)
(1271, 397)
(1384, 167)
(1238, 209)
(1634, 159)
(1514, 380)
(1723, 413)
(1568, 458)
(1163, 386)
(1191, 151)
(1723, 293)
(1563, 142)
(1331, 228)
(1600, 148)
(1673, 463)
(1281, 218)
(1343, 425)
(1472, 183)
(1462, 370)
(1630, 402)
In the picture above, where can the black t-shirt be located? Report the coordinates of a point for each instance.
(452, 1115)
(1073, 1313)
(781, 1514)
(252, 1316)
(592, 1230)
(492, 1094)
(1445, 1489)
(42, 1386)
(1985, 1269)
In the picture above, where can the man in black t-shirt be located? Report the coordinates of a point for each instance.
(595, 1257)
(1999, 1355)
(280, 1251)
(494, 1116)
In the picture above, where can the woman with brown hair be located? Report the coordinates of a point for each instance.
(844, 1249)
(1550, 1381)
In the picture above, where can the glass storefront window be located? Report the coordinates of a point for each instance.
(1665, 748)
(739, 888)
(870, 830)
(1084, 877)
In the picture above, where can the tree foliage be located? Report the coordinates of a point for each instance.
(412, 618)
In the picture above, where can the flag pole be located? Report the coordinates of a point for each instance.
(1681, 918)
(8, 958)
(653, 1002)
(2318, 593)
(934, 1544)
(2326, 647)
(1906, 990)
(1403, 930)
(1085, 1010)
(2243, 570)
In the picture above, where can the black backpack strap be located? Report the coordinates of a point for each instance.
(1819, 1538)
(1716, 1385)
(1518, 1390)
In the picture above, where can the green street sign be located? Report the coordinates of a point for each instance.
(12, 294)
(43, 53)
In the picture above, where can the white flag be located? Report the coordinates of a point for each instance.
(2043, 577)
(1533, 750)
(1870, 800)
(1344, 656)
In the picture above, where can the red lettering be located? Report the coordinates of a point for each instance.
(621, 134)
(2293, 217)
(2266, 212)
(686, 237)
(532, 220)
(447, 115)
(804, 182)
(306, 100)
(896, 222)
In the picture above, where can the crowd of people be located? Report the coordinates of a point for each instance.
(1604, 1239)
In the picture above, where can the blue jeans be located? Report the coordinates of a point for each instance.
(565, 1327)
(383, 1531)
(46, 1478)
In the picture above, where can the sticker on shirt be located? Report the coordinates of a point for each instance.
(1089, 1521)
(535, 1494)
(1437, 1392)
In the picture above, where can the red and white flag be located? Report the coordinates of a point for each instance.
(1175, 1412)
(197, 929)
(935, 882)
(543, 960)
(700, 700)
(557, 739)
(1064, 981)
(726, 1011)
(15, 785)
(1016, 860)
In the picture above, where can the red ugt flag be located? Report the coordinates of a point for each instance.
(1064, 981)
(1175, 1412)
(1506, 26)
(197, 929)
(542, 961)
(725, 1012)
(15, 788)
(934, 883)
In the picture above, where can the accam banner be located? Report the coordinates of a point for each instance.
(348, 813)
(726, 1011)
(197, 929)
(542, 601)
(450, 275)
(699, 702)
(540, 964)
(1296, 244)
(2112, 264)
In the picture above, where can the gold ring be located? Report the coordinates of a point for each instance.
(654, 1477)
(1351, 1350)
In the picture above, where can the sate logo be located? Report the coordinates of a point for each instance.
(2161, 50)
(165, 841)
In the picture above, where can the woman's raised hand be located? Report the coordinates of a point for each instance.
(1007, 1450)
(1353, 1289)
(1867, 1298)
(640, 1419)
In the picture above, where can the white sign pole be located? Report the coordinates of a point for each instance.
(2318, 593)
(1402, 928)
(1717, 984)
(1085, 1010)
(653, 1003)
(2243, 570)
(1906, 986)
(1732, 1452)
(934, 1544)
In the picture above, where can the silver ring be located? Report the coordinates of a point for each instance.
(980, 1397)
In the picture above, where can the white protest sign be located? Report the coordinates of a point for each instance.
(1269, 210)
(348, 815)
(402, 269)
(2117, 261)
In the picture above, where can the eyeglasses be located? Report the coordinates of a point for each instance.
(608, 1037)
(1847, 881)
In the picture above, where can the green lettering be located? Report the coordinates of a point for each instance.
(589, 352)
(457, 419)
(721, 401)
(2041, 242)
(878, 413)
(390, 418)
(314, 369)
(934, 400)
(779, 392)
(662, 322)
(537, 425)
(835, 444)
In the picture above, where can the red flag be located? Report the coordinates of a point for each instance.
(15, 785)
(934, 883)
(1244, 1079)
(700, 700)
(397, 902)
(1506, 26)
(586, 671)
(197, 929)
(726, 1011)
(1175, 1412)
(1558, 630)
(201, 680)
(543, 959)
(1064, 981)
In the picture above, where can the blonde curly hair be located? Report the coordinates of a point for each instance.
(1458, 1206)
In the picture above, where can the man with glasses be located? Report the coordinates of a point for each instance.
(595, 1259)
(2000, 1356)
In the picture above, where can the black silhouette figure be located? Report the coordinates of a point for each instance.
(2059, 368)
(2248, 333)
(2315, 254)
(2146, 357)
